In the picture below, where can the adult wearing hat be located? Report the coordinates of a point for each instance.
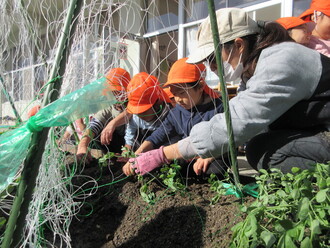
(285, 109)
(319, 13)
(195, 102)
(106, 129)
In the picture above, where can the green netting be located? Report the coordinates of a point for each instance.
(14, 144)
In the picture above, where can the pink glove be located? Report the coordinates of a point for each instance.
(148, 161)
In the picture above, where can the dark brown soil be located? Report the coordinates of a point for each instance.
(117, 216)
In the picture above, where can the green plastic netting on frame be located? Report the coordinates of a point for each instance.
(14, 144)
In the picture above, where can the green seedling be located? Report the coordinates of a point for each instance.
(103, 161)
(170, 174)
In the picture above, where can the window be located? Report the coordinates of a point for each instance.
(161, 14)
(300, 6)
(197, 9)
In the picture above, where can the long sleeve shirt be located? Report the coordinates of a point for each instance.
(286, 74)
(179, 121)
(138, 127)
(102, 118)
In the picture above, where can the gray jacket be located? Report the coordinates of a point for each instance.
(286, 74)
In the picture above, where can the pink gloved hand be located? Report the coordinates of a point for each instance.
(148, 161)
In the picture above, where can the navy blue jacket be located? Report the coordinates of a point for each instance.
(179, 121)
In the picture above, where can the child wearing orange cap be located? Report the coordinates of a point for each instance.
(296, 27)
(97, 130)
(149, 105)
(195, 102)
(319, 13)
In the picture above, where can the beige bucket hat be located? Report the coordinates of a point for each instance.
(232, 23)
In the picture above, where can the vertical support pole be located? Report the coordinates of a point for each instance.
(224, 94)
(16, 223)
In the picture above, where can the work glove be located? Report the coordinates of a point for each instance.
(148, 161)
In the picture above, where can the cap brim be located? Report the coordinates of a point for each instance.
(132, 109)
(200, 54)
(306, 15)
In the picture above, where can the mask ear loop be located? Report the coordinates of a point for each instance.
(315, 16)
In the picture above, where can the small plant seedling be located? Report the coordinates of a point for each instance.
(103, 161)
(171, 176)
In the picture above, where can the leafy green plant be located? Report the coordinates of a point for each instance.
(171, 177)
(147, 195)
(127, 153)
(103, 161)
(293, 210)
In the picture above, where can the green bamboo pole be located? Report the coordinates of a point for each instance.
(225, 101)
(18, 117)
(15, 227)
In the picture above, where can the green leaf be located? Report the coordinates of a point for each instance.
(251, 226)
(328, 181)
(295, 170)
(268, 238)
(295, 194)
(306, 243)
(315, 227)
(303, 208)
(281, 193)
(283, 225)
(285, 241)
(321, 196)
(289, 242)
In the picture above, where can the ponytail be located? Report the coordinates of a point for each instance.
(270, 33)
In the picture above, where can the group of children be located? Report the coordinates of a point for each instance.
(154, 115)
(149, 116)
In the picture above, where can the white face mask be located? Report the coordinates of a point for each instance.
(231, 74)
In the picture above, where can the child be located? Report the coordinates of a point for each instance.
(195, 102)
(319, 13)
(118, 80)
(297, 28)
(149, 105)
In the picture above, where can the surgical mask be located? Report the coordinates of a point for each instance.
(231, 74)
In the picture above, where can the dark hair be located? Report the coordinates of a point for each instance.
(271, 33)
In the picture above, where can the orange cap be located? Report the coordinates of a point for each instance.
(290, 22)
(318, 5)
(33, 111)
(118, 79)
(182, 72)
(143, 91)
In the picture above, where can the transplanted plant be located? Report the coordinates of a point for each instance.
(293, 210)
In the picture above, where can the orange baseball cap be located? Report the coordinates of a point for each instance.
(290, 22)
(118, 79)
(318, 5)
(182, 72)
(143, 91)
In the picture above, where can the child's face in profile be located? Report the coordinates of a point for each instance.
(186, 95)
(300, 34)
(323, 25)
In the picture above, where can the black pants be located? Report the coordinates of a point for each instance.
(284, 149)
